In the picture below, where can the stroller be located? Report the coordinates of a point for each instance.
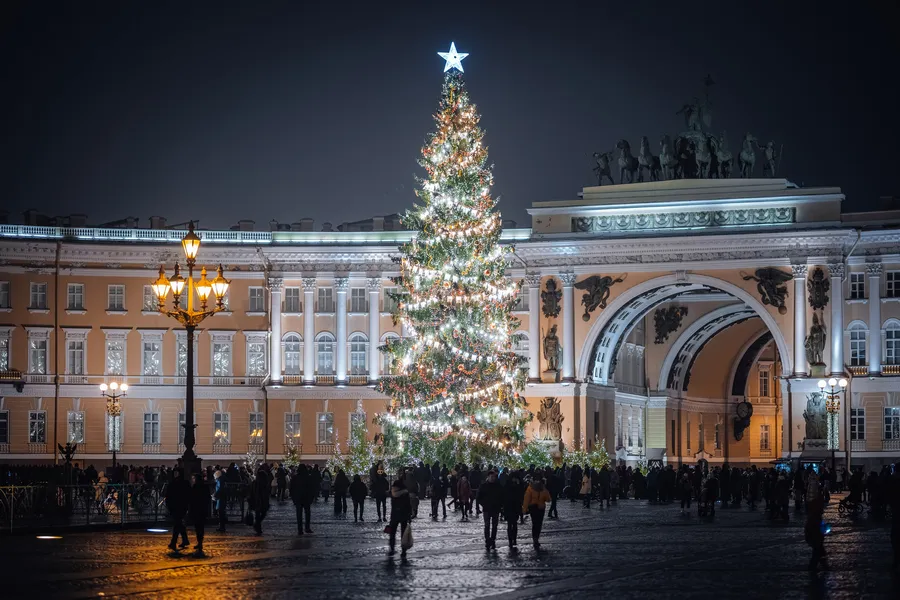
(850, 507)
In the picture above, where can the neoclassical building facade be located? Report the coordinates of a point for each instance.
(681, 304)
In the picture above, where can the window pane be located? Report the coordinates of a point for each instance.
(325, 428)
(4, 353)
(152, 358)
(256, 428)
(221, 432)
(222, 360)
(4, 294)
(4, 427)
(181, 357)
(115, 357)
(76, 427)
(37, 427)
(256, 359)
(38, 354)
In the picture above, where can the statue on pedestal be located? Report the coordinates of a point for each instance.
(552, 349)
(814, 415)
(815, 342)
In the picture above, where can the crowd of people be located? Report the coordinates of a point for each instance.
(494, 494)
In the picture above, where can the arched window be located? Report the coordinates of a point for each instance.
(520, 343)
(892, 342)
(359, 346)
(387, 360)
(292, 345)
(857, 332)
(324, 354)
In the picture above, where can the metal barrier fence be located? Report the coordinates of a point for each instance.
(48, 505)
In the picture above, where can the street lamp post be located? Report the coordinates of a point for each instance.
(113, 392)
(832, 390)
(190, 318)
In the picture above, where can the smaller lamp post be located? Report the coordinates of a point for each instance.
(113, 392)
(832, 390)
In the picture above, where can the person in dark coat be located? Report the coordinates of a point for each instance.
(260, 491)
(315, 478)
(380, 488)
(358, 493)
(303, 491)
(280, 482)
(178, 498)
(439, 487)
(220, 496)
(490, 497)
(513, 495)
(401, 513)
(199, 509)
(341, 486)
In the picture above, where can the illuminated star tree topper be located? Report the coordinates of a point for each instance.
(453, 58)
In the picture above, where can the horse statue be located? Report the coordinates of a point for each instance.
(646, 160)
(667, 160)
(723, 155)
(747, 157)
(704, 158)
(602, 168)
(685, 156)
(627, 162)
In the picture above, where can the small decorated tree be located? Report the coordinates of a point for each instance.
(598, 456)
(536, 454)
(291, 457)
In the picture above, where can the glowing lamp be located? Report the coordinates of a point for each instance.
(191, 244)
(220, 285)
(161, 286)
(843, 382)
(832, 382)
(103, 387)
(177, 282)
(114, 386)
(124, 387)
(203, 287)
(822, 384)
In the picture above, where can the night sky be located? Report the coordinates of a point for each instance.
(226, 110)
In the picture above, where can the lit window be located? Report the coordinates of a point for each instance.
(292, 354)
(359, 362)
(292, 428)
(37, 356)
(221, 428)
(858, 345)
(764, 384)
(325, 428)
(37, 426)
(150, 302)
(114, 433)
(892, 423)
(152, 359)
(115, 357)
(257, 428)
(325, 354)
(892, 344)
(75, 427)
(115, 297)
(256, 359)
(764, 437)
(222, 359)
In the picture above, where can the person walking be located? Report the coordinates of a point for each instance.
(812, 531)
(686, 488)
(586, 488)
(341, 485)
(178, 497)
(326, 484)
(380, 489)
(358, 493)
(490, 497)
(412, 488)
(220, 495)
(463, 494)
(438, 495)
(534, 504)
(280, 482)
(199, 509)
(302, 492)
(513, 495)
(401, 513)
(259, 498)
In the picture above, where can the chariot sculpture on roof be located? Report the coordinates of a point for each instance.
(696, 153)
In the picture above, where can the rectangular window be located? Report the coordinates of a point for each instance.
(37, 427)
(857, 286)
(292, 302)
(292, 355)
(858, 348)
(4, 426)
(892, 284)
(256, 428)
(4, 294)
(857, 423)
(151, 428)
(4, 353)
(149, 303)
(182, 419)
(38, 296)
(390, 303)
(325, 428)
(181, 356)
(892, 423)
(892, 346)
(763, 437)
(37, 357)
(115, 297)
(221, 428)
(292, 427)
(75, 427)
(152, 359)
(358, 303)
(114, 432)
(75, 357)
(256, 359)
(222, 359)
(115, 357)
(764, 384)
(257, 300)
(75, 296)
(326, 301)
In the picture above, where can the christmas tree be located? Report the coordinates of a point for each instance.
(458, 374)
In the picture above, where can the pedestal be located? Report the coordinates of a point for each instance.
(550, 376)
(554, 447)
(817, 370)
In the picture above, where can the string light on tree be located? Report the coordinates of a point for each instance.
(459, 376)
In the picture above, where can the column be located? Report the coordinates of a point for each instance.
(373, 285)
(800, 320)
(836, 272)
(309, 330)
(533, 282)
(341, 284)
(276, 285)
(568, 366)
(874, 272)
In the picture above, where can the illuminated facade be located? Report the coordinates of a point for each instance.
(296, 352)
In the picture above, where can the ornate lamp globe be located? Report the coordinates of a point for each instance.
(191, 244)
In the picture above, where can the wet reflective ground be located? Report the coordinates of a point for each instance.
(630, 551)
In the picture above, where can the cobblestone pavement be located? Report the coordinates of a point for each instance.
(632, 550)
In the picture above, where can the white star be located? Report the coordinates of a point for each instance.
(453, 58)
